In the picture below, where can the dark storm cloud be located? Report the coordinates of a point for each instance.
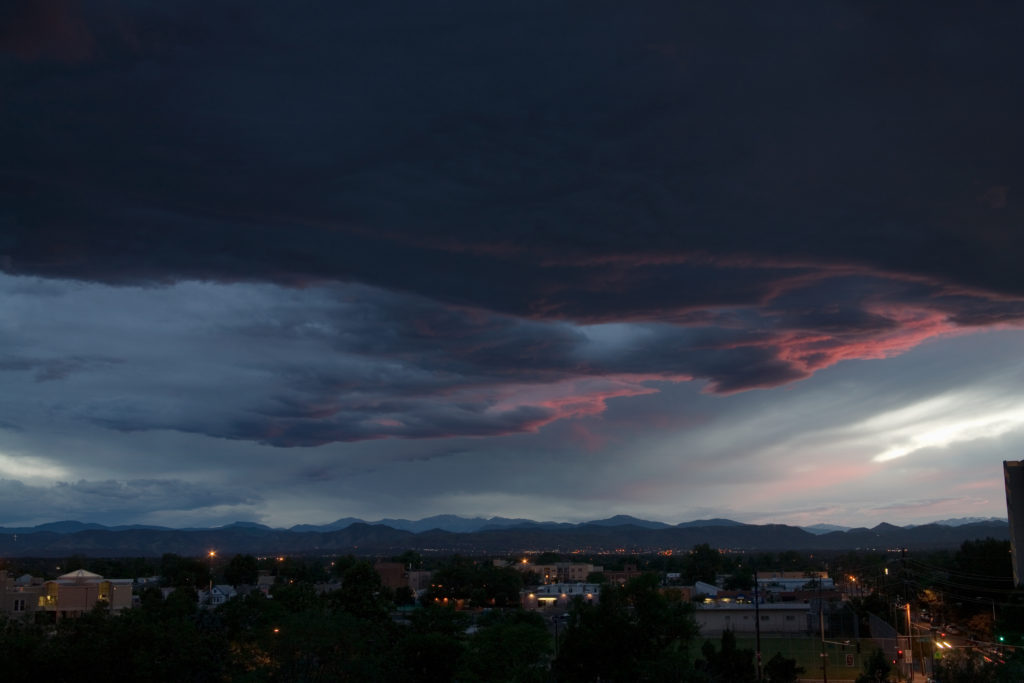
(552, 160)
(494, 216)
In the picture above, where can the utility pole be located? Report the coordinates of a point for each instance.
(906, 598)
(757, 621)
(821, 623)
(910, 649)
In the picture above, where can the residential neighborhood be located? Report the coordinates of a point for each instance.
(806, 617)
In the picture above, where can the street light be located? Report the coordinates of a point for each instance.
(212, 554)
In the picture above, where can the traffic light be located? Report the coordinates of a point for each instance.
(1002, 639)
(899, 654)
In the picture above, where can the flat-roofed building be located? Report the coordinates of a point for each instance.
(559, 595)
(560, 572)
(79, 591)
(1013, 478)
(715, 617)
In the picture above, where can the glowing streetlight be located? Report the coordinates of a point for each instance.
(211, 554)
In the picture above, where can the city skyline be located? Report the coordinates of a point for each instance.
(509, 260)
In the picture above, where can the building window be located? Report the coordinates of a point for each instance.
(19, 605)
(764, 617)
(790, 617)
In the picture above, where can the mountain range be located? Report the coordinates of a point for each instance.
(495, 535)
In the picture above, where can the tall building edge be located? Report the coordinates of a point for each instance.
(1013, 476)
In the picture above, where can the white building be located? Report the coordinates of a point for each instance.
(779, 617)
(559, 595)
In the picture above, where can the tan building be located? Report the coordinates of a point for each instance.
(560, 572)
(395, 575)
(79, 591)
(19, 597)
(392, 574)
(622, 576)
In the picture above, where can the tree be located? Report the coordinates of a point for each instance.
(980, 626)
(959, 666)
(362, 592)
(781, 669)
(404, 596)
(411, 559)
(184, 571)
(510, 646)
(431, 649)
(729, 664)
(633, 634)
(479, 585)
(703, 564)
(242, 569)
(548, 558)
(742, 578)
(876, 668)
(988, 557)
(296, 597)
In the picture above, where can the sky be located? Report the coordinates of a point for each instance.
(287, 263)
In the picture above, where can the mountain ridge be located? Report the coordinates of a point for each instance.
(459, 524)
(616, 534)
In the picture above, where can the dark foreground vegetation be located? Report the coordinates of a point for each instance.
(352, 634)
(331, 619)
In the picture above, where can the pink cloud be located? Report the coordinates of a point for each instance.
(797, 485)
(813, 351)
(577, 397)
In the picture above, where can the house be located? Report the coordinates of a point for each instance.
(216, 596)
(19, 597)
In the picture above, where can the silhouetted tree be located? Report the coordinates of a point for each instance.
(780, 669)
(876, 668)
(729, 664)
(241, 569)
(635, 633)
(510, 646)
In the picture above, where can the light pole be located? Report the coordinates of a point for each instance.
(910, 643)
(212, 554)
(757, 622)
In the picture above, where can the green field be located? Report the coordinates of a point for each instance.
(806, 651)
